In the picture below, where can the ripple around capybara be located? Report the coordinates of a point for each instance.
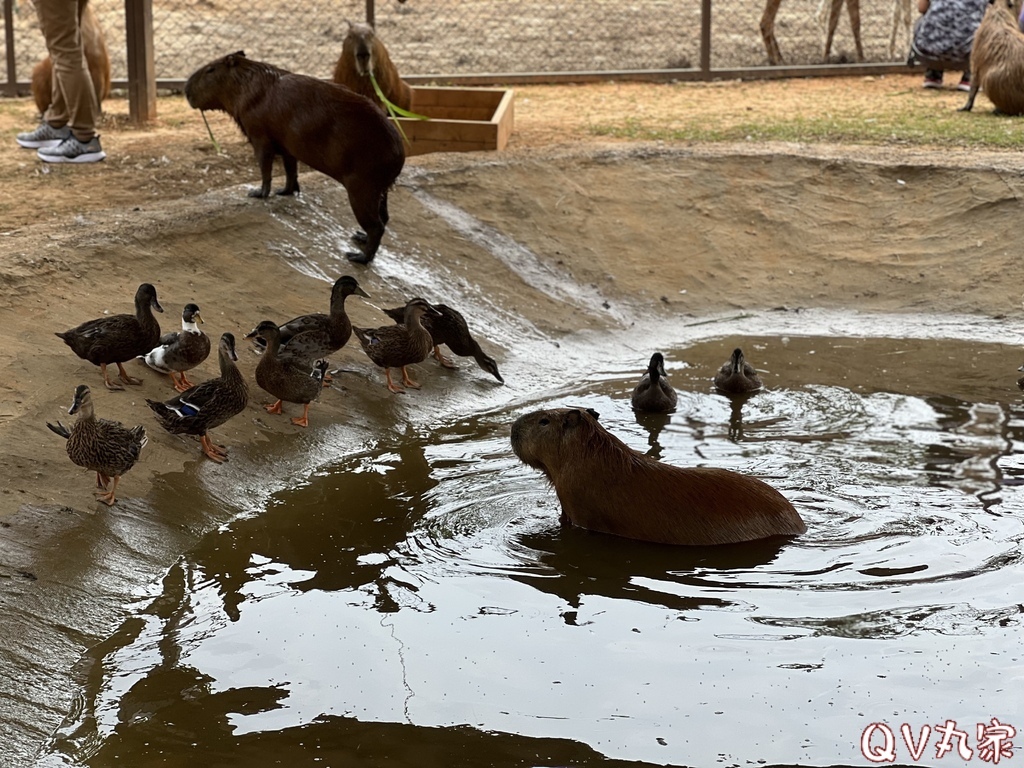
(363, 54)
(605, 486)
(301, 118)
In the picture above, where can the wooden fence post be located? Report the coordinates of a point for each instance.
(370, 13)
(11, 86)
(138, 17)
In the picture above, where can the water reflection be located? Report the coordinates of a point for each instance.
(420, 603)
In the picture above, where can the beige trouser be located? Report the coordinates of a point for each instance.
(74, 98)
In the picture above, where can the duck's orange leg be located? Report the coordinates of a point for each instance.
(391, 384)
(217, 453)
(407, 381)
(122, 374)
(445, 361)
(182, 384)
(303, 420)
(102, 481)
(273, 407)
(106, 379)
(108, 497)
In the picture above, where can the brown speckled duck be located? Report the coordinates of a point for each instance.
(180, 351)
(286, 374)
(396, 346)
(450, 328)
(118, 338)
(1020, 381)
(205, 406)
(106, 447)
(654, 394)
(737, 377)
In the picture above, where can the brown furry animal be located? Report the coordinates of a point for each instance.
(300, 118)
(997, 60)
(96, 57)
(362, 52)
(603, 485)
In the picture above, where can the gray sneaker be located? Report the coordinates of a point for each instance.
(71, 150)
(43, 136)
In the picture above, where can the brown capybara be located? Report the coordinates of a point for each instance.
(324, 125)
(603, 485)
(96, 57)
(362, 52)
(997, 60)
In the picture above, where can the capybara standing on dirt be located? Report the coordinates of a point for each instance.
(997, 60)
(96, 57)
(326, 126)
(362, 52)
(603, 485)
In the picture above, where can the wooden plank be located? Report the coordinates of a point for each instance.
(461, 120)
(482, 98)
(141, 68)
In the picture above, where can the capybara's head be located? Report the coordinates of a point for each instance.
(1001, 10)
(546, 440)
(359, 44)
(214, 85)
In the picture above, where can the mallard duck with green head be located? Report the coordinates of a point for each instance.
(106, 447)
(400, 345)
(180, 351)
(118, 338)
(288, 373)
(210, 404)
(450, 328)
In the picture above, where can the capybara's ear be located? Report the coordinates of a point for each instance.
(594, 413)
(232, 58)
(572, 418)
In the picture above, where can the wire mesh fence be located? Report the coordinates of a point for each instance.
(472, 37)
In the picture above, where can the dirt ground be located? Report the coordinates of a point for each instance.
(75, 241)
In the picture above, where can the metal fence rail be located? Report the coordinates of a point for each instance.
(486, 40)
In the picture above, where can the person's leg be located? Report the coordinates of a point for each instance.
(74, 98)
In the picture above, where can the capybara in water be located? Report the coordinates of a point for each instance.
(324, 125)
(96, 57)
(997, 60)
(603, 485)
(362, 52)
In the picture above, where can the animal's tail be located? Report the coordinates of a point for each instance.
(59, 429)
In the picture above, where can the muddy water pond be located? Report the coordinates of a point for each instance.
(416, 603)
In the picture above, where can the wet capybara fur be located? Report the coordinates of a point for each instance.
(96, 57)
(603, 485)
(997, 60)
(362, 52)
(324, 125)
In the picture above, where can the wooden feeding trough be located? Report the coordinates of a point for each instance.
(461, 119)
